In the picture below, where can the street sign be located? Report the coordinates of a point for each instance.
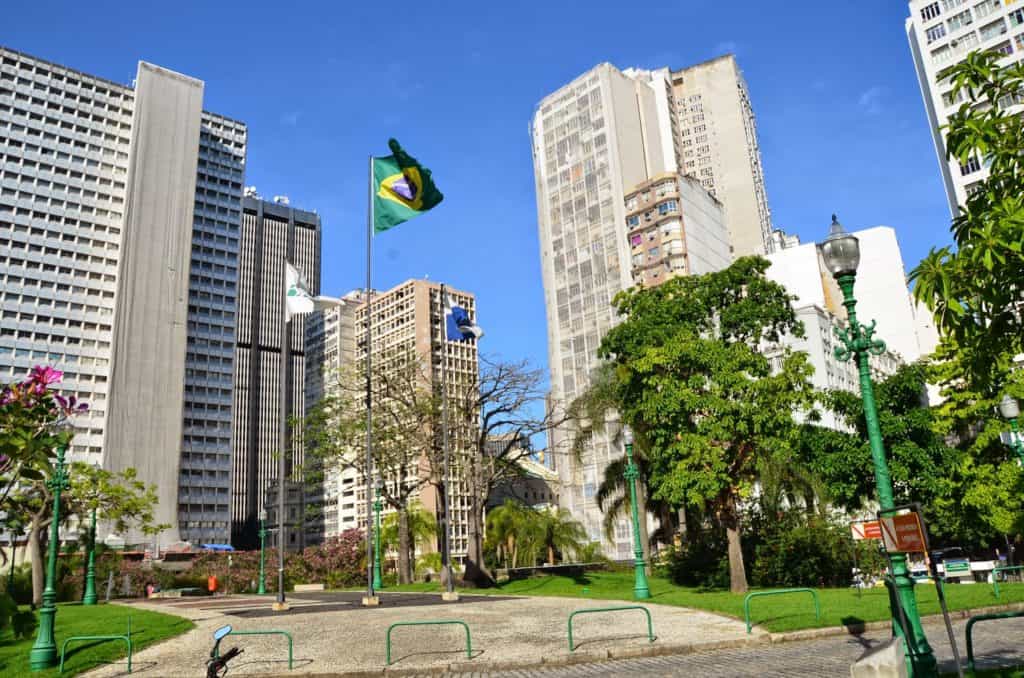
(867, 529)
(903, 534)
(956, 567)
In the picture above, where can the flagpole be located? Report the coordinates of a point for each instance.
(450, 585)
(369, 397)
(285, 359)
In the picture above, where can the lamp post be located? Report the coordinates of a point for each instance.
(1010, 410)
(44, 651)
(90, 571)
(378, 584)
(641, 591)
(262, 588)
(841, 252)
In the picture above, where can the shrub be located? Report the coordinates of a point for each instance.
(815, 553)
(701, 560)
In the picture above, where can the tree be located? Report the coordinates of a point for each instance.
(947, 458)
(500, 414)
(121, 501)
(709, 408)
(33, 417)
(975, 290)
(422, 529)
(559, 532)
(405, 419)
(508, 527)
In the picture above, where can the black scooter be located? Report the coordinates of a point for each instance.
(217, 665)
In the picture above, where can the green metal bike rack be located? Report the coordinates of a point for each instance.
(126, 638)
(440, 622)
(264, 633)
(650, 626)
(983, 617)
(995, 579)
(779, 592)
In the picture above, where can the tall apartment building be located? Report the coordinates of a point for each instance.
(119, 213)
(674, 227)
(406, 318)
(272, 232)
(717, 138)
(604, 139)
(941, 33)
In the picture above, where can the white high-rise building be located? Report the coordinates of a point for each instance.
(617, 160)
(119, 217)
(941, 33)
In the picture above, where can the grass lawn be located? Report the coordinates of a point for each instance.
(776, 613)
(95, 620)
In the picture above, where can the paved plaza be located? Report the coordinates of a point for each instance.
(334, 634)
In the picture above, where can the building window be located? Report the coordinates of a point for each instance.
(1003, 47)
(935, 32)
(952, 4)
(986, 8)
(958, 21)
(993, 29)
(633, 220)
(1017, 17)
(930, 12)
(972, 165)
(668, 206)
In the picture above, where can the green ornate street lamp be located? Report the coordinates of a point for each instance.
(641, 591)
(90, 571)
(377, 507)
(262, 588)
(44, 652)
(841, 252)
(1010, 410)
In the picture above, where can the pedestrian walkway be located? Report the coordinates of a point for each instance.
(333, 633)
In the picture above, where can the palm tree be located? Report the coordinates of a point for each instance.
(508, 528)
(423, 529)
(559, 531)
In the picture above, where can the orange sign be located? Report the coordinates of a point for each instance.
(903, 534)
(868, 529)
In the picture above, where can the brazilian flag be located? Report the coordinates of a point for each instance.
(402, 189)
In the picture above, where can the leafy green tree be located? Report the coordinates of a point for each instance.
(974, 290)
(508, 527)
(405, 422)
(423, 529)
(709, 407)
(559, 531)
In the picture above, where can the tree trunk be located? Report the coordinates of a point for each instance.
(36, 550)
(737, 571)
(476, 572)
(551, 554)
(404, 562)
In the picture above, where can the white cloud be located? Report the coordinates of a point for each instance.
(870, 100)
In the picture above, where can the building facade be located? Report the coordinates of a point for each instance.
(606, 136)
(119, 208)
(407, 319)
(674, 227)
(272, 232)
(941, 33)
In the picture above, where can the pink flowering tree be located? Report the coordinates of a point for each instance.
(32, 418)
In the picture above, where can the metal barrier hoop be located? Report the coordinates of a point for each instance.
(746, 601)
(650, 626)
(970, 627)
(440, 622)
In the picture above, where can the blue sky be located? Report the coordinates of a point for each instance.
(323, 85)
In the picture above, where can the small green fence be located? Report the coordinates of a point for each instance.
(265, 633)
(970, 628)
(779, 592)
(127, 638)
(650, 626)
(995, 576)
(442, 622)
